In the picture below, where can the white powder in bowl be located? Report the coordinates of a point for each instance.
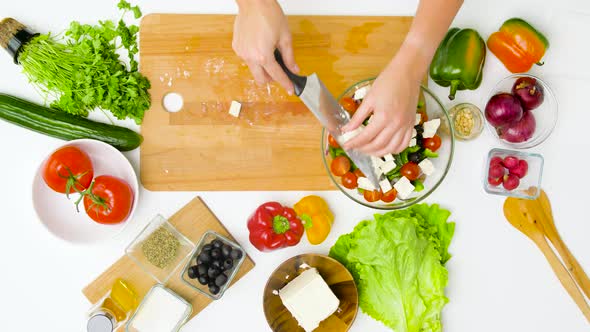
(160, 311)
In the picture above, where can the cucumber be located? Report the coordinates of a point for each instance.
(65, 126)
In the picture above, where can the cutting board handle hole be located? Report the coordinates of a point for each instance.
(172, 102)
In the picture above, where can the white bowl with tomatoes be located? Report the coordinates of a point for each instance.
(85, 191)
(412, 175)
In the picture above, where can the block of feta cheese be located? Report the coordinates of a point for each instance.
(418, 119)
(385, 185)
(347, 136)
(377, 162)
(414, 133)
(388, 166)
(412, 142)
(309, 299)
(388, 157)
(426, 166)
(404, 187)
(365, 184)
(234, 109)
(361, 93)
(430, 128)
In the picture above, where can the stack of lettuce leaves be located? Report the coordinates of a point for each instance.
(397, 261)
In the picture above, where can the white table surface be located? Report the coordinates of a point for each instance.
(499, 281)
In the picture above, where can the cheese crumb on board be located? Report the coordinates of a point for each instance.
(365, 184)
(234, 109)
(404, 187)
(426, 166)
(309, 299)
(430, 128)
(361, 93)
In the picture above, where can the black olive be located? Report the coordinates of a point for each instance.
(221, 280)
(216, 253)
(217, 243)
(202, 269)
(217, 264)
(203, 280)
(193, 272)
(419, 140)
(213, 272)
(415, 157)
(228, 264)
(214, 289)
(419, 129)
(199, 261)
(236, 254)
(207, 247)
(226, 250)
(204, 257)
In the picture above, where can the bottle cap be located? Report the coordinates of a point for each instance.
(101, 321)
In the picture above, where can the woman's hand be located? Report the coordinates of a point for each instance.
(260, 27)
(392, 100)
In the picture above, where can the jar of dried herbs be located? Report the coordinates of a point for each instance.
(160, 248)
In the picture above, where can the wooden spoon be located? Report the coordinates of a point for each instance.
(521, 218)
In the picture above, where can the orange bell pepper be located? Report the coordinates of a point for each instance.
(317, 218)
(518, 45)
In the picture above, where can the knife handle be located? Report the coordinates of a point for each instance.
(298, 81)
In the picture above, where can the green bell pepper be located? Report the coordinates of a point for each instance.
(458, 61)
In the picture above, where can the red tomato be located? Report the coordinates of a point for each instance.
(340, 165)
(410, 170)
(389, 196)
(359, 173)
(332, 141)
(372, 196)
(109, 201)
(349, 105)
(432, 143)
(68, 169)
(349, 180)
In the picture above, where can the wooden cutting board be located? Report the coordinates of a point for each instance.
(193, 220)
(275, 142)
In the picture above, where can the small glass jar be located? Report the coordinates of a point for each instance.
(467, 120)
(113, 309)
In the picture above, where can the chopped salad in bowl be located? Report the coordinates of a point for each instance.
(409, 176)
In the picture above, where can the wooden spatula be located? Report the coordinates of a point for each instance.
(526, 217)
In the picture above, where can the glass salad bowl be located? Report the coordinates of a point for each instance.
(424, 185)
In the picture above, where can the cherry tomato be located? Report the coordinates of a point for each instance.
(432, 143)
(332, 141)
(68, 169)
(423, 116)
(349, 180)
(109, 201)
(389, 196)
(349, 105)
(410, 170)
(372, 196)
(359, 173)
(340, 165)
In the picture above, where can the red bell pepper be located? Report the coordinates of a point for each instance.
(273, 226)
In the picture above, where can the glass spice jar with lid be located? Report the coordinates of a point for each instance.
(113, 309)
(467, 120)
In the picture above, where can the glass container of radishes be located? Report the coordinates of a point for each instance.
(513, 173)
(521, 111)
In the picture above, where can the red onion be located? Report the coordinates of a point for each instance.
(520, 131)
(529, 92)
(503, 109)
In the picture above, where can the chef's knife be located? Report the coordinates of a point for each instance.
(331, 115)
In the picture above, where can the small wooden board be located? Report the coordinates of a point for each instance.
(193, 220)
(275, 142)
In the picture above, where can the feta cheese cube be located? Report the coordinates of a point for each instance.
(404, 187)
(385, 185)
(426, 166)
(388, 166)
(377, 162)
(388, 157)
(430, 128)
(418, 119)
(412, 142)
(309, 299)
(361, 93)
(234, 109)
(365, 184)
(347, 136)
(414, 133)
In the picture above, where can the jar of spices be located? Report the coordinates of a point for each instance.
(467, 120)
(113, 309)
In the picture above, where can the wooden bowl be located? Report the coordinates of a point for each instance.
(335, 275)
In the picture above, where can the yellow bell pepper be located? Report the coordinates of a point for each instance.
(317, 218)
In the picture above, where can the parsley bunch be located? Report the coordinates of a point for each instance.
(83, 70)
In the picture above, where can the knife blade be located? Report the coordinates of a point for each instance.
(314, 94)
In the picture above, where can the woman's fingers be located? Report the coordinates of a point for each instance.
(277, 73)
(359, 116)
(379, 143)
(285, 46)
(260, 75)
(365, 136)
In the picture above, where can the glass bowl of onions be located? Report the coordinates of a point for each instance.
(521, 111)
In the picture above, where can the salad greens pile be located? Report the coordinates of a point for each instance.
(397, 261)
(82, 69)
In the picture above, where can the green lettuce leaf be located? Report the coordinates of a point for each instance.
(397, 261)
